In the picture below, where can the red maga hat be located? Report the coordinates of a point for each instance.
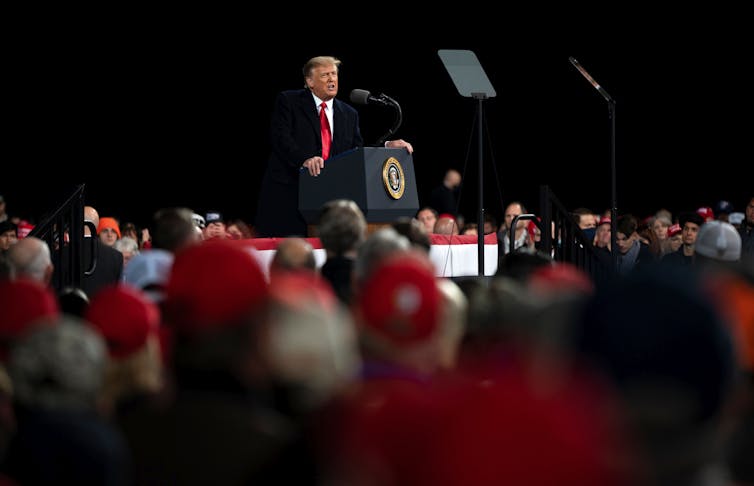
(125, 317)
(213, 285)
(400, 300)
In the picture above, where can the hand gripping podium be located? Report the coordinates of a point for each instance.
(380, 180)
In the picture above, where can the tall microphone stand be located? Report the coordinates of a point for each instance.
(613, 190)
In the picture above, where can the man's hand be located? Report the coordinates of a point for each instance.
(400, 143)
(314, 165)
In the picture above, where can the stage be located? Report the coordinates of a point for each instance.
(452, 256)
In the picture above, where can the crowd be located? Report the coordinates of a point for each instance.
(191, 364)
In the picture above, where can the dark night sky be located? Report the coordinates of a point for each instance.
(150, 116)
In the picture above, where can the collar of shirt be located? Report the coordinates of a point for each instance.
(329, 112)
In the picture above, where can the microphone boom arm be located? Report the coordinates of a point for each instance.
(398, 119)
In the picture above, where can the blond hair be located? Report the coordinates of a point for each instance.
(319, 61)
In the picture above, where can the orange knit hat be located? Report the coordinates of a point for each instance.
(110, 223)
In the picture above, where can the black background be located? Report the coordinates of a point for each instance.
(174, 110)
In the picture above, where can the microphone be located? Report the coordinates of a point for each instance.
(363, 97)
(591, 80)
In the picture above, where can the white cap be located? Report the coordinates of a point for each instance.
(149, 271)
(198, 220)
(736, 218)
(719, 240)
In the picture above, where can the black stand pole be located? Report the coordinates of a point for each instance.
(613, 189)
(613, 196)
(480, 216)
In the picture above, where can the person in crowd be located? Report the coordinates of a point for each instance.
(521, 235)
(31, 259)
(379, 245)
(238, 230)
(602, 234)
(717, 241)
(660, 226)
(723, 209)
(632, 253)
(342, 230)
(444, 198)
(675, 238)
(736, 218)
(293, 254)
(8, 235)
(129, 322)
(174, 230)
(199, 224)
(490, 224)
(215, 304)
(215, 226)
(690, 222)
(586, 221)
(109, 231)
(428, 217)
(73, 301)
(676, 396)
(746, 229)
(706, 213)
(108, 268)
(470, 229)
(57, 372)
(129, 247)
(7, 272)
(446, 225)
(414, 230)
(308, 126)
(3, 213)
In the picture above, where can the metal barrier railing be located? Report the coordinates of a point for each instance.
(565, 241)
(63, 231)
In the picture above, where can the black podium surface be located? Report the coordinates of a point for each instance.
(380, 180)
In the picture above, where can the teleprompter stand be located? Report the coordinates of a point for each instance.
(472, 82)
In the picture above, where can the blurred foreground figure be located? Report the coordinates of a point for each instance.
(220, 427)
(673, 366)
(57, 371)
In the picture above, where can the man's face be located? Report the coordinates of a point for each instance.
(624, 242)
(676, 241)
(108, 236)
(511, 212)
(214, 230)
(234, 233)
(323, 81)
(750, 212)
(587, 221)
(7, 239)
(603, 234)
(428, 219)
(689, 233)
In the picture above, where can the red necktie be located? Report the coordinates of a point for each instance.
(324, 125)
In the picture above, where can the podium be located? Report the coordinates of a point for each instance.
(380, 180)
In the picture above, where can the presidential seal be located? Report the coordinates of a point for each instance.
(393, 178)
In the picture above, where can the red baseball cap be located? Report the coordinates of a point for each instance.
(400, 300)
(24, 303)
(213, 285)
(125, 317)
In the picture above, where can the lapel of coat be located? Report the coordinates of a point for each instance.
(310, 110)
(339, 120)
